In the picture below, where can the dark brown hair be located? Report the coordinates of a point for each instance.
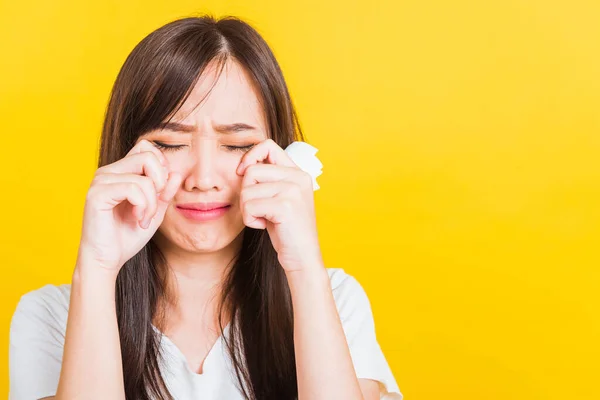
(153, 83)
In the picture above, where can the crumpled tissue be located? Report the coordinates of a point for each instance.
(303, 155)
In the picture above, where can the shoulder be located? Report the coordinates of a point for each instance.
(52, 298)
(345, 287)
(355, 313)
(350, 297)
(37, 336)
(337, 276)
(47, 306)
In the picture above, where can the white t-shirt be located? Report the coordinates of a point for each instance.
(37, 336)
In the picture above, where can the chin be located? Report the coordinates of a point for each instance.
(202, 239)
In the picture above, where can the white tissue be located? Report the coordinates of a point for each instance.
(303, 155)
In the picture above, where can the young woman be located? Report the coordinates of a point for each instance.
(199, 273)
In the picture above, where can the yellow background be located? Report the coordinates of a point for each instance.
(461, 183)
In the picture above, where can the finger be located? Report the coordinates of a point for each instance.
(165, 199)
(261, 173)
(174, 182)
(268, 151)
(114, 194)
(145, 163)
(264, 190)
(258, 211)
(145, 145)
(144, 182)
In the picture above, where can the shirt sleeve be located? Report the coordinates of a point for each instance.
(356, 315)
(37, 336)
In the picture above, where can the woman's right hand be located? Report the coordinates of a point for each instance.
(125, 205)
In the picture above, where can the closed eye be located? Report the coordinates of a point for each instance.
(240, 148)
(170, 147)
(167, 147)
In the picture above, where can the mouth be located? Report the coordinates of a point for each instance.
(203, 206)
(201, 212)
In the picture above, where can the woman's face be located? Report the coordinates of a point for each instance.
(211, 139)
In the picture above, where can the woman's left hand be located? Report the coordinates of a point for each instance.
(277, 195)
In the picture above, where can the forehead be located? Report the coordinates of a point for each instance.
(224, 96)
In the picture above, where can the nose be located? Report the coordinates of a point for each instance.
(203, 173)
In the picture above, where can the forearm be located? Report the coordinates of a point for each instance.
(92, 366)
(323, 362)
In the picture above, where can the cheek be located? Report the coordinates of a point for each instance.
(234, 180)
(177, 160)
(226, 165)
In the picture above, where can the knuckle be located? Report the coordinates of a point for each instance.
(296, 190)
(248, 178)
(252, 170)
(287, 205)
(155, 159)
(246, 208)
(247, 218)
(95, 180)
(306, 178)
(91, 194)
(244, 182)
(147, 182)
(148, 156)
(132, 187)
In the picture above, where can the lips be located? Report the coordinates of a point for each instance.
(203, 212)
(203, 206)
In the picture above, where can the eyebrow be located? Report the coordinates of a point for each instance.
(223, 129)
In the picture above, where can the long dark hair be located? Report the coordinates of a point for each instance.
(153, 83)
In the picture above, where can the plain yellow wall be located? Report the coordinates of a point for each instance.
(461, 184)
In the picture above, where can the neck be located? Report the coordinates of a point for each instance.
(194, 282)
